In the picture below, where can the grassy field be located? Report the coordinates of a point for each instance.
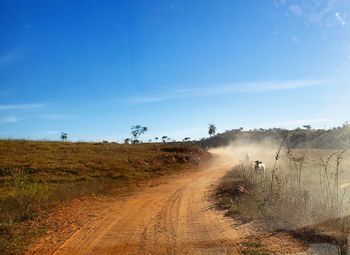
(35, 176)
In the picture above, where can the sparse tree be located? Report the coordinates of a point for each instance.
(126, 140)
(212, 130)
(156, 138)
(136, 131)
(165, 138)
(307, 127)
(346, 124)
(64, 137)
(186, 139)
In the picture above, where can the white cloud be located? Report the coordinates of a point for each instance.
(220, 90)
(295, 9)
(19, 106)
(340, 18)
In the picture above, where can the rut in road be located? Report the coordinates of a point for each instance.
(172, 218)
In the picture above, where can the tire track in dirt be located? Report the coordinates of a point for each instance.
(171, 218)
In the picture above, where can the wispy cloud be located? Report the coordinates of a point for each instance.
(48, 116)
(151, 99)
(219, 90)
(325, 13)
(10, 119)
(295, 39)
(340, 18)
(19, 106)
(53, 116)
(295, 9)
(329, 15)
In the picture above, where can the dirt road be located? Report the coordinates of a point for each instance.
(171, 218)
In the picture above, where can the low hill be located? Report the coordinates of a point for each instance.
(334, 139)
(337, 138)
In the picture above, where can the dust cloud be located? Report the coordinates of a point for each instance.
(328, 184)
(237, 151)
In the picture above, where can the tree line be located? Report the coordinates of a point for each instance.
(138, 130)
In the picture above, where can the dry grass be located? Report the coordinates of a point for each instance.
(34, 176)
(302, 191)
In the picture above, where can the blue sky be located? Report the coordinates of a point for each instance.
(95, 68)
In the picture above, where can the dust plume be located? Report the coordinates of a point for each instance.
(302, 186)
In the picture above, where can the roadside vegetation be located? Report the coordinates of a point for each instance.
(304, 191)
(37, 175)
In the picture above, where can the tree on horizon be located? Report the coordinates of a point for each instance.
(212, 130)
(136, 131)
(64, 136)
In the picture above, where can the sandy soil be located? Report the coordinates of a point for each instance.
(173, 217)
